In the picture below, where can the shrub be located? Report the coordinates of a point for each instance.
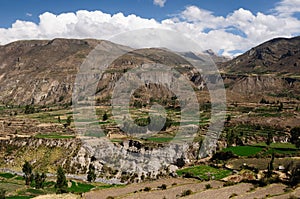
(228, 183)
(223, 155)
(163, 187)
(147, 189)
(2, 193)
(186, 192)
(61, 181)
(208, 186)
(232, 195)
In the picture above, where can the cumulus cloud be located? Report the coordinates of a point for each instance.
(229, 35)
(160, 3)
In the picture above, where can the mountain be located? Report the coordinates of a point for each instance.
(43, 72)
(218, 59)
(40, 71)
(280, 56)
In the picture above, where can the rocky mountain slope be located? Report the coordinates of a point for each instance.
(43, 72)
(280, 56)
(40, 72)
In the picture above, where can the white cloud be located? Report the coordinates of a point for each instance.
(287, 7)
(238, 31)
(160, 3)
(28, 14)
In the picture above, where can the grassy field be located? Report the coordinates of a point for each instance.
(54, 136)
(204, 172)
(7, 175)
(260, 163)
(277, 145)
(15, 187)
(263, 149)
(244, 150)
(78, 187)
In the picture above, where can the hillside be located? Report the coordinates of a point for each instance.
(280, 56)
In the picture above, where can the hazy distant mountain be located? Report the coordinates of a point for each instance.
(215, 57)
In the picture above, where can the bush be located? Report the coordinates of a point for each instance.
(2, 193)
(163, 187)
(223, 155)
(208, 186)
(186, 192)
(228, 183)
(61, 181)
(233, 195)
(147, 189)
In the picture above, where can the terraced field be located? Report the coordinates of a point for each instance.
(193, 189)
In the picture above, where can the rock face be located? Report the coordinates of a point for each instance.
(128, 161)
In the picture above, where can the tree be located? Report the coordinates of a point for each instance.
(61, 181)
(280, 108)
(29, 109)
(230, 137)
(295, 136)
(269, 138)
(59, 120)
(91, 176)
(295, 175)
(2, 193)
(39, 180)
(271, 166)
(68, 121)
(27, 170)
(105, 116)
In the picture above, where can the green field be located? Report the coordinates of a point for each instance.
(19, 197)
(7, 175)
(277, 145)
(54, 136)
(16, 188)
(204, 172)
(80, 187)
(244, 150)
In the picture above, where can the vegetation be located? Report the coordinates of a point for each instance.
(54, 136)
(78, 187)
(204, 172)
(295, 139)
(91, 176)
(39, 180)
(105, 116)
(2, 193)
(244, 150)
(186, 192)
(29, 109)
(61, 181)
(27, 170)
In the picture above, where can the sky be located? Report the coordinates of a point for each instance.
(228, 27)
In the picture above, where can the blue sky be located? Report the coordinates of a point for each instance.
(223, 25)
(12, 10)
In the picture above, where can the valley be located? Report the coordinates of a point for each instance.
(256, 154)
